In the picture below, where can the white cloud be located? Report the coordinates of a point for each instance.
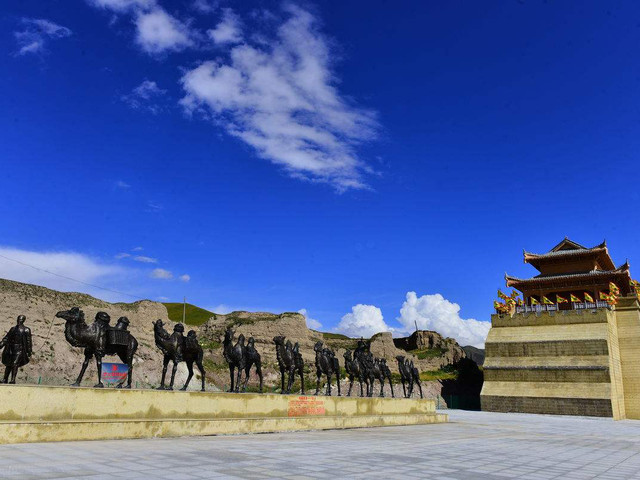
(184, 278)
(58, 270)
(143, 259)
(162, 299)
(122, 184)
(280, 97)
(222, 309)
(123, 5)
(161, 273)
(363, 321)
(36, 33)
(145, 96)
(157, 32)
(122, 255)
(434, 312)
(205, 6)
(229, 30)
(137, 249)
(311, 322)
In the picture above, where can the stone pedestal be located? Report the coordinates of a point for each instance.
(43, 414)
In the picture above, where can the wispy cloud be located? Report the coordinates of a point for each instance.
(122, 184)
(311, 322)
(145, 96)
(143, 259)
(228, 31)
(153, 207)
(36, 33)
(205, 6)
(122, 255)
(162, 274)
(137, 249)
(184, 278)
(158, 32)
(65, 271)
(279, 96)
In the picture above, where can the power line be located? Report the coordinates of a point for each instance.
(69, 278)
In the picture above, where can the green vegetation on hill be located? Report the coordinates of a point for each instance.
(335, 336)
(428, 353)
(194, 315)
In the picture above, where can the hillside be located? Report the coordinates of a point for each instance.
(195, 316)
(56, 362)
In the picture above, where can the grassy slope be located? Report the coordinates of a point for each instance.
(195, 315)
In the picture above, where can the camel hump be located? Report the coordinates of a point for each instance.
(191, 342)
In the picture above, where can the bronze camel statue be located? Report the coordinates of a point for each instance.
(178, 348)
(98, 340)
(327, 364)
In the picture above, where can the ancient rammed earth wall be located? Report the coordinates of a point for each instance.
(569, 362)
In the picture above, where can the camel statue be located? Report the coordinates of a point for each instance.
(327, 364)
(386, 373)
(234, 356)
(299, 365)
(98, 340)
(177, 348)
(405, 375)
(286, 362)
(415, 378)
(251, 358)
(193, 353)
(355, 369)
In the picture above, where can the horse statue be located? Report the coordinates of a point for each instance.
(355, 369)
(177, 348)
(234, 356)
(286, 362)
(98, 340)
(327, 364)
(415, 378)
(406, 376)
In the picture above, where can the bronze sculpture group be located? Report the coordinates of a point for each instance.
(100, 338)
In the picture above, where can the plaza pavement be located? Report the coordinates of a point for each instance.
(475, 445)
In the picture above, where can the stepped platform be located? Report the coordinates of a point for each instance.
(33, 413)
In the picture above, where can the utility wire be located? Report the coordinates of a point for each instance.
(69, 278)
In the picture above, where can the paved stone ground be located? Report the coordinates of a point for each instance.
(475, 445)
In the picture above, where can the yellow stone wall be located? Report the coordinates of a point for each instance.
(554, 362)
(30, 413)
(628, 320)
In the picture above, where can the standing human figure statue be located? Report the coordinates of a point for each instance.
(17, 349)
(286, 362)
(171, 346)
(234, 356)
(386, 373)
(327, 364)
(98, 340)
(405, 375)
(355, 370)
(251, 358)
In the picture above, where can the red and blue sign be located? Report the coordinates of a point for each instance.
(114, 372)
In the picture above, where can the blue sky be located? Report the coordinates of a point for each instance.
(374, 164)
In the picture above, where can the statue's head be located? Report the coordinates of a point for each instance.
(191, 334)
(241, 339)
(21, 319)
(317, 347)
(228, 333)
(103, 317)
(123, 322)
(158, 323)
(178, 328)
(278, 340)
(74, 315)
